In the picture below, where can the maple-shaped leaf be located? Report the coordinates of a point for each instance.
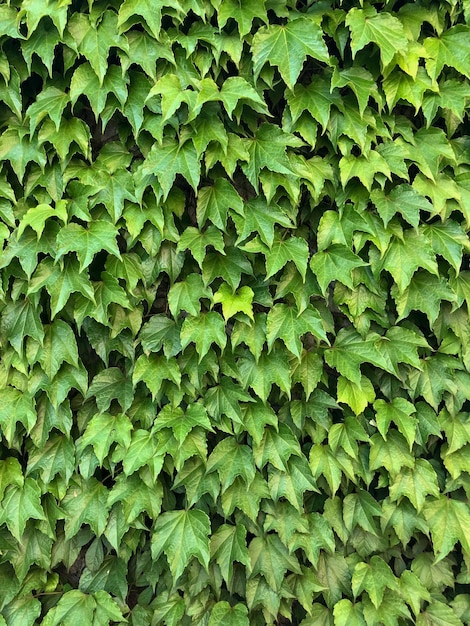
(270, 557)
(448, 239)
(197, 242)
(450, 49)
(287, 47)
(181, 535)
(182, 422)
(364, 167)
(383, 29)
(241, 462)
(335, 263)
(34, 547)
(112, 189)
(229, 266)
(102, 431)
(161, 331)
(373, 577)
(19, 504)
(243, 12)
(293, 483)
(399, 411)
(153, 369)
(234, 302)
(213, 203)
(135, 497)
(449, 521)
(20, 150)
(416, 484)
(85, 81)
(257, 216)
(268, 149)
(16, 407)
(361, 509)
(286, 323)
(347, 613)
(223, 614)
(403, 199)
(86, 242)
(185, 295)
(225, 398)
(57, 456)
(345, 435)
(439, 613)
(150, 11)
(360, 81)
(355, 395)
(281, 251)
(307, 371)
(94, 40)
(413, 298)
(204, 330)
(276, 447)
(51, 103)
(317, 98)
(59, 346)
(237, 496)
(413, 591)
(392, 453)
(261, 374)
(171, 158)
(35, 10)
(85, 503)
(430, 148)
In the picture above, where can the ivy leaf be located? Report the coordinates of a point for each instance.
(172, 158)
(335, 263)
(261, 374)
(355, 395)
(403, 199)
(85, 503)
(182, 422)
(197, 242)
(316, 98)
(16, 407)
(181, 535)
(448, 239)
(259, 217)
(413, 298)
(276, 447)
(229, 266)
(102, 431)
(383, 29)
(57, 456)
(287, 47)
(234, 302)
(59, 346)
(204, 330)
(153, 369)
(241, 462)
(360, 81)
(85, 81)
(225, 398)
(243, 12)
(450, 49)
(86, 242)
(19, 504)
(399, 411)
(51, 103)
(308, 371)
(286, 323)
(270, 557)
(449, 521)
(373, 577)
(185, 295)
(223, 614)
(415, 484)
(392, 453)
(214, 202)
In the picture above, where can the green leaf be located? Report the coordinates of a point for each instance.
(373, 577)
(286, 323)
(16, 407)
(270, 557)
(399, 411)
(261, 374)
(182, 422)
(213, 203)
(19, 504)
(243, 12)
(181, 535)
(49, 103)
(392, 453)
(449, 521)
(259, 217)
(57, 456)
(154, 369)
(416, 484)
(103, 430)
(268, 149)
(59, 346)
(287, 47)
(360, 81)
(348, 614)
(448, 239)
(402, 199)
(451, 49)
(227, 545)
(86, 242)
(235, 302)
(383, 29)
(85, 503)
(241, 462)
(355, 395)
(185, 295)
(197, 242)
(85, 81)
(276, 447)
(204, 330)
(424, 293)
(225, 615)
(335, 263)
(172, 158)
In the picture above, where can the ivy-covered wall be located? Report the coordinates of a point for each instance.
(234, 330)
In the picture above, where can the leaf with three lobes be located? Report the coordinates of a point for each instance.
(413, 591)
(35, 10)
(144, 51)
(257, 216)
(233, 90)
(383, 29)
(416, 484)
(243, 12)
(307, 371)
(57, 456)
(345, 435)
(261, 374)
(109, 385)
(432, 379)
(181, 535)
(225, 398)
(197, 242)
(268, 149)
(136, 497)
(247, 501)
(85, 81)
(59, 346)
(234, 302)
(21, 150)
(373, 577)
(287, 47)
(204, 330)
(448, 239)
(149, 10)
(286, 323)
(399, 411)
(86, 242)
(392, 453)
(276, 447)
(360, 509)
(142, 451)
(348, 614)
(102, 431)
(107, 291)
(241, 462)
(402, 199)
(324, 463)
(357, 395)
(230, 267)
(16, 407)
(449, 521)
(360, 81)
(335, 263)
(185, 295)
(270, 557)
(97, 609)
(223, 614)
(49, 103)
(214, 202)
(363, 167)
(292, 483)
(10, 474)
(95, 41)
(282, 251)
(19, 504)
(451, 49)
(161, 331)
(171, 158)
(153, 369)
(316, 98)
(85, 503)
(182, 422)
(425, 293)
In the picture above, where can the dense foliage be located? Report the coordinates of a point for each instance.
(234, 331)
